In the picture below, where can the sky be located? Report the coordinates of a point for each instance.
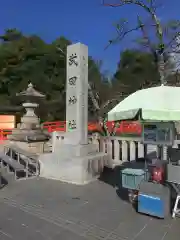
(85, 21)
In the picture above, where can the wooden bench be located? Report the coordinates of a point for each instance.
(31, 158)
(10, 163)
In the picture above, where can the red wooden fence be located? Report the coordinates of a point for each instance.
(4, 133)
(125, 127)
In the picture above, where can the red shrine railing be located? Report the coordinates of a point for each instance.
(125, 127)
(4, 133)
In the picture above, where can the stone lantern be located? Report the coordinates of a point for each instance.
(29, 130)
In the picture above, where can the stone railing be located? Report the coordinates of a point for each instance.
(123, 149)
(126, 149)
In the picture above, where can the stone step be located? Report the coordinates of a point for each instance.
(11, 165)
(25, 158)
(6, 177)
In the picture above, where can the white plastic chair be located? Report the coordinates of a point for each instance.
(176, 210)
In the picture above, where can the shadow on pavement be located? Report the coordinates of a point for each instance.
(113, 177)
(4, 182)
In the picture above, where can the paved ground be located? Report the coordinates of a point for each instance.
(50, 210)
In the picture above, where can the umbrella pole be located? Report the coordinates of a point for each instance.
(160, 152)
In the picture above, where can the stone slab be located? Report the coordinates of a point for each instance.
(68, 150)
(77, 170)
(35, 147)
(48, 209)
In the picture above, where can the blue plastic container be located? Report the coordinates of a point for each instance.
(154, 199)
(131, 178)
(151, 205)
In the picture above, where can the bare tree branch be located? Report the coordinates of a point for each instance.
(112, 4)
(122, 35)
(146, 7)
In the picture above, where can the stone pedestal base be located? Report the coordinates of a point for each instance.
(28, 135)
(78, 170)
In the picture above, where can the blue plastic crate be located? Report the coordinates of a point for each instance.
(131, 178)
(151, 205)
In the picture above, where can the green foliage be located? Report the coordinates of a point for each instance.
(136, 70)
(25, 59)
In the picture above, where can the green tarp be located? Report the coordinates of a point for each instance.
(157, 103)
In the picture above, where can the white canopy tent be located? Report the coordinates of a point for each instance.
(160, 103)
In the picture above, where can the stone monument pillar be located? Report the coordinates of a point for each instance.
(73, 160)
(77, 94)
